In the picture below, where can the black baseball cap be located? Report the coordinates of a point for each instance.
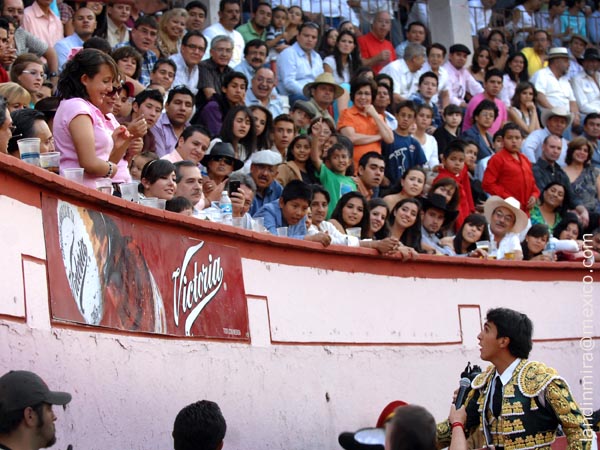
(20, 389)
(459, 48)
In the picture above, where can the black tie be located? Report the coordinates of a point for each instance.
(497, 398)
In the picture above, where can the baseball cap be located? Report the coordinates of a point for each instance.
(20, 389)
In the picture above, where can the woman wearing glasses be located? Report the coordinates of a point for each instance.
(483, 118)
(28, 71)
(82, 133)
(219, 163)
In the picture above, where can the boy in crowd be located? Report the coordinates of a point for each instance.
(405, 152)
(453, 116)
(453, 166)
(509, 172)
(290, 211)
(332, 170)
(303, 112)
(428, 89)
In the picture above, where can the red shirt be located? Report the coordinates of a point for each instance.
(506, 176)
(465, 205)
(370, 46)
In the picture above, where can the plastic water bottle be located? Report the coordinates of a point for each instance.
(226, 208)
(550, 249)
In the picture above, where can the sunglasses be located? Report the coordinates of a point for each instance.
(115, 91)
(226, 159)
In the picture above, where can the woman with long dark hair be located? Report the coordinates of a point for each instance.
(405, 223)
(345, 60)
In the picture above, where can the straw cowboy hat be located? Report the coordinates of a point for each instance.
(324, 78)
(511, 203)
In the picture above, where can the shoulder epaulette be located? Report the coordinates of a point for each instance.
(534, 377)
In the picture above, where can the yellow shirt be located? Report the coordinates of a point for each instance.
(534, 62)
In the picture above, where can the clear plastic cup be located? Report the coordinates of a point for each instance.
(354, 231)
(29, 148)
(150, 202)
(282, 231)
(104, 185)
(129, 191)
(258, 224)
(161, 203)
(74, 174)
(50, 161)
(483, 245)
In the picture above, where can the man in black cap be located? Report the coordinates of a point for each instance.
(434, 216)
(460, 80)
(26, 416)
(586, 84)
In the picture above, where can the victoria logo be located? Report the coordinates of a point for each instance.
(194, 288)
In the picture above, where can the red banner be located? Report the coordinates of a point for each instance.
(109, 271)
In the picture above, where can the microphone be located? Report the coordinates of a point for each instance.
(463, 390)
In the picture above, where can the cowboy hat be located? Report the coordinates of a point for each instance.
(557, 52)
(222, 149)
(511, 203)
(556, 111)
(438, 201)
(324, 78)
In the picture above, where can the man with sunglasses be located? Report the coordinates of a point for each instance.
(174, 120)
(193, 47)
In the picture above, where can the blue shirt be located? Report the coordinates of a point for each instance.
(275, 104)
(64, 47)
(271, 212)
(272, 193)
(149, 58)
(402, 154)
(294, 70)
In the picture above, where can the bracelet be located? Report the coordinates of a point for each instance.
(110, 170)
(457, 424)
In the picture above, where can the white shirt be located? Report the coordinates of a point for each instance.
(532, 146)
(479, 16)
(557, 90)
(509, 243)
(406, 82)
(587, 92)
(217, 29)
(337, 238)
(184, 76)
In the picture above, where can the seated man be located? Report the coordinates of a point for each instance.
(193, 47)
(375, 49)
(262, 92)
(371, 169)
(322, 93)
(255, 56)
(460, 80)
(189, 185)
(191, 146)
(241, 200)
(434, 216)
(199, 425)
(586, 84)
(554, 121)
(263, 170)
(506, 220)
(174, 120)
(284, 131)
(163, 73)
(416, 33)
(406, 71)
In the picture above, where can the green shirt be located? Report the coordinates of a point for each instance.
(336, 184)
(249, 33)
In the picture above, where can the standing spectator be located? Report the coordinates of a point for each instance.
(40, 21)
(212, 70)
(84, 25)
(299, 64)
(523, 22)
(143, 38)
(406, 71)
(117, 15)
(460, 81)
(229, 18)
(256, 27)
(536, 55)
(375, 49)
(586, 84)
(200, 424)
(174, 120)
(197, 12)
(574, 19)
(193, 46)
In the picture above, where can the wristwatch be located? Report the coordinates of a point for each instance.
(52, 74)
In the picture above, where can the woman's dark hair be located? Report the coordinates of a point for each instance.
(390, 107)
(411, 237)
(453, 203)
(385, 229)
(226, 134)
(23, 121)
(318, 189)
(384, 78)
(290, 150)
(515, 326)
(354, 60)
(364, 222)
(361, 82)
(562, 209)
(493, 33)
(361, 72)
(86, 62)
(574, 145)
(567, 220)
(154, 170)
(475, 63)
(523, 76)
(178, 204)
(324, 48)
(263, 141)
(485, 105)
(537, 230)
(129, 52)
(476, 220)
(516, 100)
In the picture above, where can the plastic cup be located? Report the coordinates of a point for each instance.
(483, 245)
(29, 149)
(150, 202)
(74, 174)
(282, 231)
(237, 222)
(354, 231)
(258, 224)
(161, 203)
(129, 191)
(104, 185)
(50, 161)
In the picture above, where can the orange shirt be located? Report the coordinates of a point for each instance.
(362, 124)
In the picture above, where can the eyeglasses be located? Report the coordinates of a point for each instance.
(227, 51)
(261, 80)
(505, 217)
(195, 47)
(487, 115)
(226, 159)
(115, 91)
(12, 129)
(35, 73)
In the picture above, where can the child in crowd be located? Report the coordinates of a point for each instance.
(498, 144)
(509, 172)
(479, 195)
(276, 38)
(303, 113)
(180, 205)
(331, 170)
(453, 166)
(138, 162)
(453, 116)
(405, 152)
(427, 141)
(428, 89)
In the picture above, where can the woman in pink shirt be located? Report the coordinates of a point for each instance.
(83, 135)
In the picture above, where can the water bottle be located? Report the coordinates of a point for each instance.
(226, 208)
(550, 249)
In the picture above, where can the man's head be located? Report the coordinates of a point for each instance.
(199, 425)
(577, 45)
(435, 213)
(163, 73)
(26, 408)
(591, 125)
(84, 23)
(147, 104)
(283, 131)
(221, 50)
(294, 201)
(416, 32)
(308, 36)
(144, 33)
(382, 24)
(229, 14)
(14, 9)
(263, 82)
(436, 54)
(556, 120)
(118, 12)
(179, 105)
(428, 85)
(234, 87)
(504, 216)
(541, 41)
(591, 61)
(558, 61)
(414, 56)
(193, 47)
(255, 53)
(505, 332)
(493, 82)
(323, 90)
(370, 169)
(551, 148)
(303, 112)
(458, 55)
(189, 181)
(264, 168)
(261, 18)
(411, 428)
(196, 15)
(193, 143)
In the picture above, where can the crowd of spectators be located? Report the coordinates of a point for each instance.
(335, 130)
